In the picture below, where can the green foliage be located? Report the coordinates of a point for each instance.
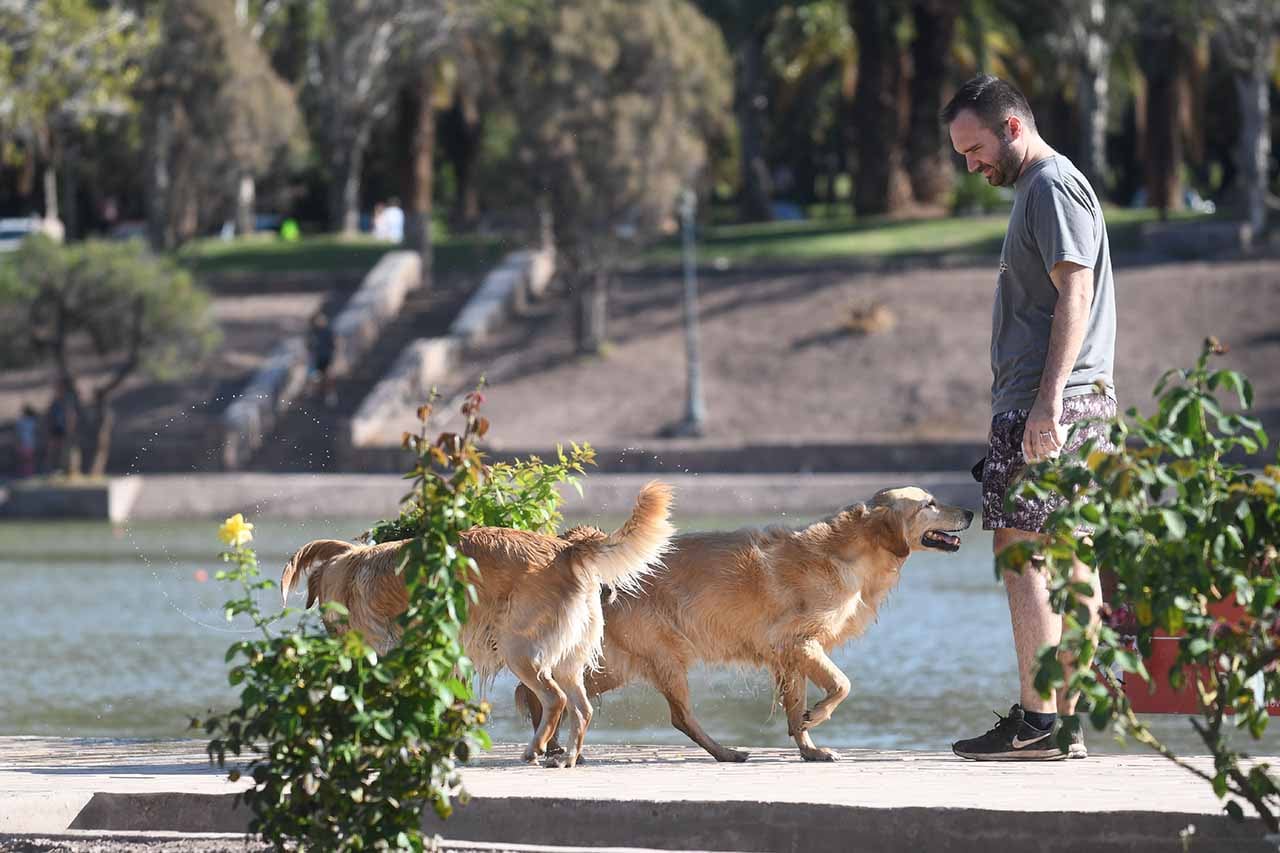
(520, 494)
(347, 747)
(219, 113)
(1186, 534)
(972, 194)
(102, 309)
(616, 102)
(64, 64)
(115, 296)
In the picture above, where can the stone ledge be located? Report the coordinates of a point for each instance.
(252, 417)
(108, 500)
(1193, 239)
(509, 287)
(736, 825)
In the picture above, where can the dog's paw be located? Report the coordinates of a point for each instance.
(530, 756)
(736, 756)
(818, 754)
(812, 719)
(554, 748)
(560, 759)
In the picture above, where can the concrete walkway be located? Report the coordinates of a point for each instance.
(676, 798)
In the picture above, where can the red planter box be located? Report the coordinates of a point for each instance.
(1163, 699)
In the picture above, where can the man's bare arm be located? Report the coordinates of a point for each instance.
(1044, 434)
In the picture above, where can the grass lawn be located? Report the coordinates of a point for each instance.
(790, 241)
(828, 239)
(327, 252)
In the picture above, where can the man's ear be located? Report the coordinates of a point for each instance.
(887, 530)
(1016, 127)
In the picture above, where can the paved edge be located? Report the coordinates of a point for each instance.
(736, 825)
(152, 839)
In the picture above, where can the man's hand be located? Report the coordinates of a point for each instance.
(1044, 434)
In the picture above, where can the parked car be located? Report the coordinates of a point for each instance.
(14, 230)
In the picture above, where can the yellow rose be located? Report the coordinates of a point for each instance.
(235, 531)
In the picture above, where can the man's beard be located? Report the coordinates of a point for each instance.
(1005, 170)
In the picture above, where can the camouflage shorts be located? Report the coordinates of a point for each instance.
(1005, 461)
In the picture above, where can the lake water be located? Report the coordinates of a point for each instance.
(118, 632)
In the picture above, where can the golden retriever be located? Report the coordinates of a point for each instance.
(537, 609)
(776, 598)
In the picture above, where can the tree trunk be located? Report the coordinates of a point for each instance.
(50, 191)
(417, 141)
(754, 201)
(462, 129)
(928, 149)
(346, 165)
(592, 292)
(1162, 57)
(159, 178)
(880, 182)
(246, 191)
(1095, 96)
(1253, 90)
(70, 187)
(105, 419)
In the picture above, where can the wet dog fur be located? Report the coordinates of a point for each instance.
(538, 601)
(775, 598)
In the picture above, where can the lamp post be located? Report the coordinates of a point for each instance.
(695, 410)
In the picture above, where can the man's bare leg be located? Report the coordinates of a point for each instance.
(1035, 624)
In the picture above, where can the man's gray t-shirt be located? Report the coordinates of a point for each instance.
(1056, 217)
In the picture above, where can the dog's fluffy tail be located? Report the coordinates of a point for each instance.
(623, 558)
(308, 559)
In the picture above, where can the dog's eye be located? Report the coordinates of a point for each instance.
(933, 504)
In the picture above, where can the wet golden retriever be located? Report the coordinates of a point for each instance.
(776, 598)
(538, 607)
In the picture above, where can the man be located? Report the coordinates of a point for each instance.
(1052, 351)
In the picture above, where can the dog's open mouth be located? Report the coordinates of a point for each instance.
(941, 540)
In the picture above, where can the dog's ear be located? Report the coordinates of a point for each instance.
(886, 528)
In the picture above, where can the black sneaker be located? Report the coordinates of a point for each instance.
(1013, 739)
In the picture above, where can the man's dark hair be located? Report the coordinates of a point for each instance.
(992, 100)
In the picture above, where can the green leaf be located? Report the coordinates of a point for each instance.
(1198, 646)
(1174, 523)
(1232, 379)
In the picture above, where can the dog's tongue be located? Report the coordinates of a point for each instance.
(939, 539)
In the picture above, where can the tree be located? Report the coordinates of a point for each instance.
(462, 125)
(746, 25)
(928, 148)
(360, 57)
(878, 119)
(64, 65)
(615, 101)
(217, 116)
(812, 59)
(1166, 33)
(1249, 30)
(102, 312)
(1093, 32)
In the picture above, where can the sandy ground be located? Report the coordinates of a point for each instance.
(781, 365)
(780, 362)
